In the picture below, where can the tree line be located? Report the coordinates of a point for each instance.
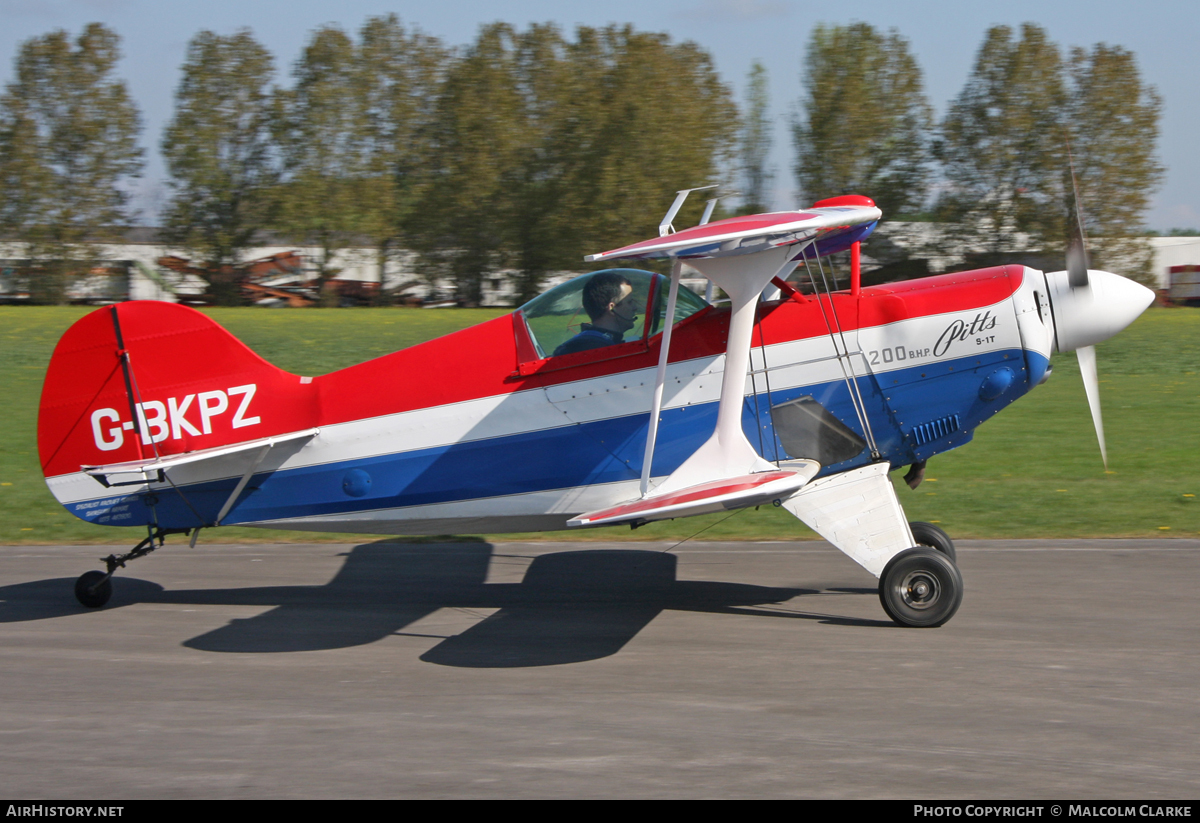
(523, 148)
(1030, 126)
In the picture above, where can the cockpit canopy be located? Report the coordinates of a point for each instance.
(558, 315)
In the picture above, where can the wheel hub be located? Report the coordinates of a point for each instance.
(920, 590)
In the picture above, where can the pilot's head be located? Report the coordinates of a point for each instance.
(608, 300)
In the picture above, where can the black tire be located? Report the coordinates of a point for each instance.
(921, 588)
(927, 534)
(89, 593)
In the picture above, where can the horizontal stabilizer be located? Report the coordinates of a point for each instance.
(150, 470)
(705, 498)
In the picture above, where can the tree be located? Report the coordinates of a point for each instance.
(1113, 125)
(660, 120)
(322, 131)
(756, 142)
(399, 74)
(552, 86)
(477, 142)
(68, 144)
(220, 156)
(1005, 144)
(1002, 144)
(354, 133)
(545, 148)
(863, 125)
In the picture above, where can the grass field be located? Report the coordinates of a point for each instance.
(1033, 471)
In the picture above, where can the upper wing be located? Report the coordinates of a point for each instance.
(752, 233)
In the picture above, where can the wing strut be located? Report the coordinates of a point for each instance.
(661, 376)
(262, 453)
(741, 255)
(725, 472)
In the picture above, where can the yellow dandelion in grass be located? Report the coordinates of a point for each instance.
(1186, 495)
(1164, 528)
(5, 484)
(27, 529)
(1060, 490)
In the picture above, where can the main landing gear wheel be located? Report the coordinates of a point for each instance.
(921, 588)
(927, 534)
(93, 589)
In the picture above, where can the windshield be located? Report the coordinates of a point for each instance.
(603, 309)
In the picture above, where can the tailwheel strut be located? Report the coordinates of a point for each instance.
(94, 588)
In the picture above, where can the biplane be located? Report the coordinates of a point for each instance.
(152, 415)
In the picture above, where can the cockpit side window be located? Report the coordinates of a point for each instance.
(687, 303)
(600, 310)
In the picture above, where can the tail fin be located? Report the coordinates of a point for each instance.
(140, 379)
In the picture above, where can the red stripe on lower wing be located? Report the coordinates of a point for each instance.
(704, 491)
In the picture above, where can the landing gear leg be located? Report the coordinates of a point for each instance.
(94, 588)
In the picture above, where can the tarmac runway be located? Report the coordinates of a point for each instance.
(598, 670)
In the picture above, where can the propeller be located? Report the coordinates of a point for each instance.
(1090, 306)
(1077, 258)
(1077, 278)
(1077, 264)
(1091, 384)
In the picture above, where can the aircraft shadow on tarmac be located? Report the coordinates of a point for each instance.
(570, 607)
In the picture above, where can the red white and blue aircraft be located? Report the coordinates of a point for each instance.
(153, 415)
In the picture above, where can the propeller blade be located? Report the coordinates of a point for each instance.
(1091, 384)
(1077, 265)
(1077, 261)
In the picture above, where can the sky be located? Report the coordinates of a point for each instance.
(944, 37)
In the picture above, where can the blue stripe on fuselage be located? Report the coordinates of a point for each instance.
(585, 454)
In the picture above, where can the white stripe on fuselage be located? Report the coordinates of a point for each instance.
(792, 364)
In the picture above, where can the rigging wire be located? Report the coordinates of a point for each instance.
(757, 414)
(702, 531)
(762, 350)
(849, 361)
(850, 378)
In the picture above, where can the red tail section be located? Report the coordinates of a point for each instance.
(145, 378)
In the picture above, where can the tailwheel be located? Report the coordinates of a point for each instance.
(921, 588)
(93, 589)
(927, 534)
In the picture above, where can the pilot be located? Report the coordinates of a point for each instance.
(608, 300)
